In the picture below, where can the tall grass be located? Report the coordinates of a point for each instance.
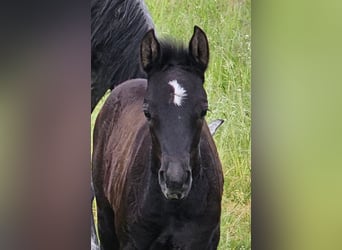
(227, 24)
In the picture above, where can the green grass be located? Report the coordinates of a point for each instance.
(227, 24)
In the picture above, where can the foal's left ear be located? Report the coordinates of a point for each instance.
(199, 47)
(149, 50)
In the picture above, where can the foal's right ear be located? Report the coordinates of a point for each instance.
(149, 50)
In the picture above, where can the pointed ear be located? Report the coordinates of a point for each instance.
(214, 125)
(149, 50)
(199, 47)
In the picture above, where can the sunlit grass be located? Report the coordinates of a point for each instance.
(227, 24)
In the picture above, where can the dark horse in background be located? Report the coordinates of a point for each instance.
(117, 27)
(156, 172)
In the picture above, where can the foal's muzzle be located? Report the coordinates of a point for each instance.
(175, 179)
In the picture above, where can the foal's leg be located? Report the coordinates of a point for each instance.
(106, 228)
(215, 240)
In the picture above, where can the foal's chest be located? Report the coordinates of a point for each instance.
(170, 233)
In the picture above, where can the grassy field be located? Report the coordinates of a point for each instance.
(227, 24)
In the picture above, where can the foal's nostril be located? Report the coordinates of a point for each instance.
(188, 175)
(162, 176)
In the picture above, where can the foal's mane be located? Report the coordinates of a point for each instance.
(175, 53)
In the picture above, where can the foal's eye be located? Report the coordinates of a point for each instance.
(204, 112)
(146, 112)
(147, 115)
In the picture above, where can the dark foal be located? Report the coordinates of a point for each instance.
(157, 175)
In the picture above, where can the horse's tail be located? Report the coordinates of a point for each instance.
(117, 27)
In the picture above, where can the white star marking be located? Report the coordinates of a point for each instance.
(179, 92)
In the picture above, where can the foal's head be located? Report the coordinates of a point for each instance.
(175, 105)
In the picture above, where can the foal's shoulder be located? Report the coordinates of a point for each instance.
(127, 93)
(130, 88)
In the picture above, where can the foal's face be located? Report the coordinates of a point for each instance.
(175, 105)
